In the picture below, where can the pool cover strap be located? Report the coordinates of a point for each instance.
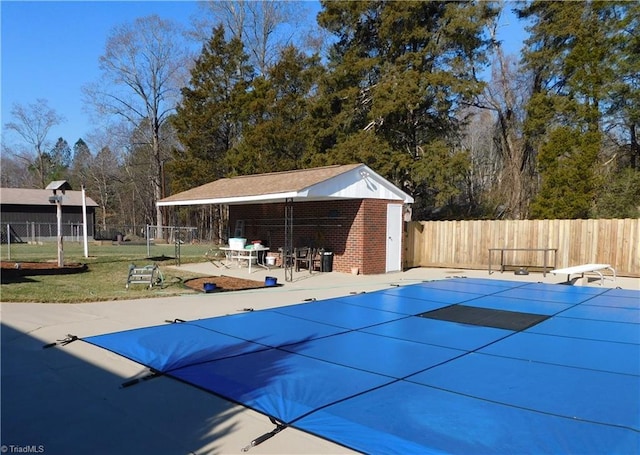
(152, 374)
(259, 440)
(65, 341)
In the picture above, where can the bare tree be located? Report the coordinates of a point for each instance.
(265, 27)
(506, 95)
(102, 173)
(13, 174)
(483, 176)
(33, 123)
(143, 68)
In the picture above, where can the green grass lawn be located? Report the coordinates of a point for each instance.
(106, 277)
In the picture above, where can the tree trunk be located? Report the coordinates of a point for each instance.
(159, 180)
(635, 148)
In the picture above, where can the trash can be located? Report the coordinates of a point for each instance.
(327, 261)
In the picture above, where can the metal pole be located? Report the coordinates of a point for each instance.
(84, 222)
(148, 242)
(60, 246)
(288, 256)
(8, 241)
(177, 249)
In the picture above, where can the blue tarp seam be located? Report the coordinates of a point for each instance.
(574, 367)
(555, 335)
(524, 408)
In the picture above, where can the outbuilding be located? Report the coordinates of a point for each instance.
(30, 215)
(348, 210)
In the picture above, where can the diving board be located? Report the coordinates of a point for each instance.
(586, 268)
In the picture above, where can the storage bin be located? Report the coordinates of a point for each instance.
(237, 243)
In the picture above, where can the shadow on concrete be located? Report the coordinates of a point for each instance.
(69, 399)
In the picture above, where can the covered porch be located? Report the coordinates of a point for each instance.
(348, 210)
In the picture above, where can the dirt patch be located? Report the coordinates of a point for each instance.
(14, 270)
(224, 283)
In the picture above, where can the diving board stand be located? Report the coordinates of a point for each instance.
(545, 253)
(598, 269)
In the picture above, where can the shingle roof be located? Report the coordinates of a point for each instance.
(247, 186)
(29, 196)
(349, 181)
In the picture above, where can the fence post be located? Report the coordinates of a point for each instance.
(85, 237)
(8, 241)
(148, 242)
(60, 235)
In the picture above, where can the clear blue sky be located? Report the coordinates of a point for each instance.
(50, 50)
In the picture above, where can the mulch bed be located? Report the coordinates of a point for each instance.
(224, 283)
(12, 270)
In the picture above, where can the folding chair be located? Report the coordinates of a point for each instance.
(304, 257)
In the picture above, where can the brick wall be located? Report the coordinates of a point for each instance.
(354, 230)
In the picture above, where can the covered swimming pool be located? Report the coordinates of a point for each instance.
(453, 366)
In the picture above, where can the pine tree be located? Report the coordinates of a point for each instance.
(59, 160)
(577, 52)
(568, 175)
(80, 164)
(399, 73)
(207, 120)
(276, 134)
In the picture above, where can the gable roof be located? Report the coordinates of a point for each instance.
(30, 196)
(350, 181)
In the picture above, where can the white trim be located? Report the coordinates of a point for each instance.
(358, 183)
(230, 200)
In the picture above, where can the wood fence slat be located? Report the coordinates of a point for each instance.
(466, 244)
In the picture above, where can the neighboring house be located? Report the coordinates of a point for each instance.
(349, 210)
(31, 217)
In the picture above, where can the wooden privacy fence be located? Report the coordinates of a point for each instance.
(466, 244)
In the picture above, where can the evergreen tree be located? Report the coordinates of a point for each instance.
(207, 118)
(399, 73)
(568, 174)
(59, 160)
(577, 52)
(625, 106)
(80, 164)
(276, 132)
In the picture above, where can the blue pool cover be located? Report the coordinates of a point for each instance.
(376, 373)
